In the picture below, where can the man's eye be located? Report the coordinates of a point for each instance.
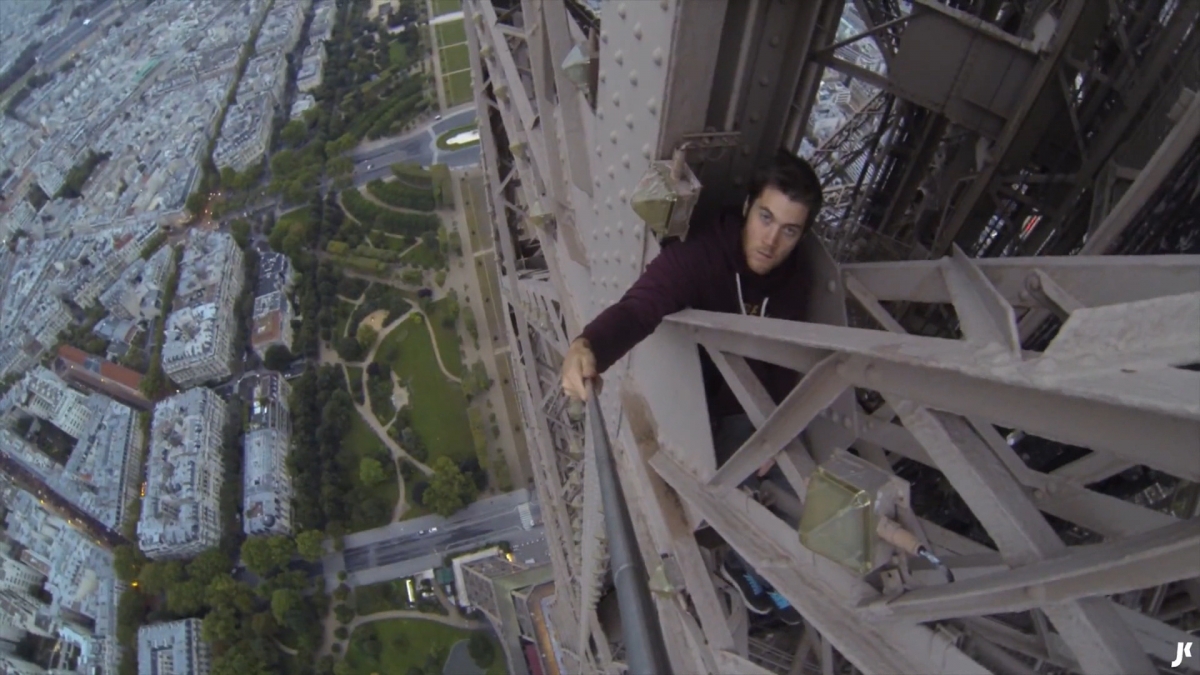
(792, 232)
(765, 215)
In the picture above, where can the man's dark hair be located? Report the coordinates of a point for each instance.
(793, 176)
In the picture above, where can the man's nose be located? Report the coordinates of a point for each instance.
(771, 237)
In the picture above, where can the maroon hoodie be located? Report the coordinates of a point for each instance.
(709, 272)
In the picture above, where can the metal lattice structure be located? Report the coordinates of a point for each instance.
(1045, 410)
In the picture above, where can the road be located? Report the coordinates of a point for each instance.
(76, 516)
(419, 147)
(405, 548)
(75, 32)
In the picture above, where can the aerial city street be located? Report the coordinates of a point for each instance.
(256, 409)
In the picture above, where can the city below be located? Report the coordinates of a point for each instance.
(230, 231)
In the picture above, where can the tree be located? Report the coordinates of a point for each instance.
(196, 202)
(310, 544)
(350, 349)
(186, 598)
(207, 566)
(449, 489)
(225, 592)
(240, 229)
(370, 471)
(294, 133)
(228, 177)
(157, 576)
(127, 562)
(412, 276)
(283, 602)
(264, 625)
(481, 650)
(342, 668)
(263, 555)
(277, 358)
(220, 626)
(367, 337)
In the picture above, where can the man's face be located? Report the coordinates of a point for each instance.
(774, 225)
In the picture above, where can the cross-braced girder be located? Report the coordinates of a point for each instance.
(1058, 568)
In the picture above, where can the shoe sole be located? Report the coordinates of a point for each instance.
(738, 587)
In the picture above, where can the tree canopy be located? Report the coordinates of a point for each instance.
(449, 488)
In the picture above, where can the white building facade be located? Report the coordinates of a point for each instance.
(184, 473)
(267, 483)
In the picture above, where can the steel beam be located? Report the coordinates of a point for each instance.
(1095, 281)
(1098, 639)
(1141, 561)
(997, 154)
(817, 587)
(1114, 413)
(820, 387)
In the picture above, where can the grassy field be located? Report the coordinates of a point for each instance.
(354, 375)
(458, 88)
(363, 442)
(451, 33)
(441, 7)
(443, 140)
(381, 597)
(455, 58)
(344, 310)
(424, 257)
(447, 338)
(439, 409)
(408, 643)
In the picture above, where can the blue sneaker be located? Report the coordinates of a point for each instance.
(782, 609)
(751, 589)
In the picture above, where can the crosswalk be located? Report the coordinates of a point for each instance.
(526, 516)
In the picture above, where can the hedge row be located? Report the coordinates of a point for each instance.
(372, 215)
(400, 195)
(361, 264)
(413, 175)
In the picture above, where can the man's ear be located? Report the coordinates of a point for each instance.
(746, 207)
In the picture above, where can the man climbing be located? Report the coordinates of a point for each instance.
(742, 265)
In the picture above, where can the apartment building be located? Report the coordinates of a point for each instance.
(184, 472)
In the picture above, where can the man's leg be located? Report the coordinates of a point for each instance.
(758, 595)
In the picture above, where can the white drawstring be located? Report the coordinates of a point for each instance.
(742, 301)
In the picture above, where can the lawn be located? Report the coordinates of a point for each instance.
(362, 442)
(301, 217)
(441, 7)
(343, 312)
(355, 376)
(409, 643)
(439, 409)
(443, 141)
(447, 338)
(455, 58)
(458, 88)
(451, 33)
(381, 597)
(424, 257)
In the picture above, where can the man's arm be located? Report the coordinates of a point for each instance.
(672, 281)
